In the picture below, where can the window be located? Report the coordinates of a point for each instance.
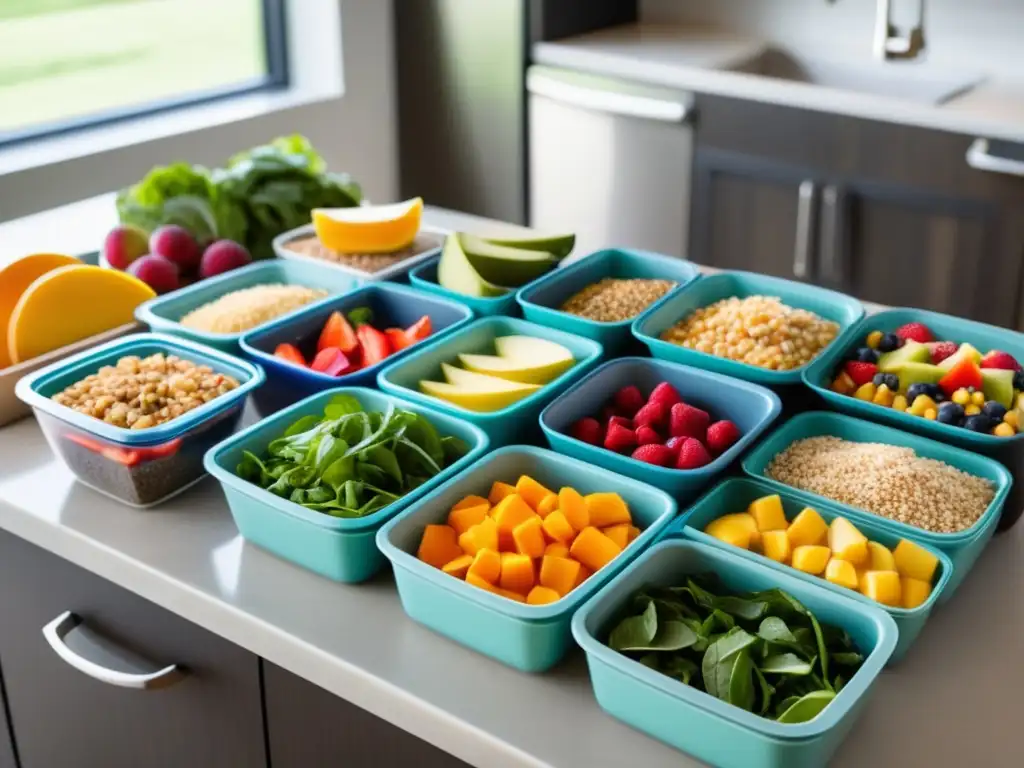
(66, 64)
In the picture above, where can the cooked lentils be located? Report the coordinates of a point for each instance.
(757, 330)
(887, 480)
(139, 393)
(612, 300)
(364, 262)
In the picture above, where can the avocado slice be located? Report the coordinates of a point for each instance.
(559, 245)
(965, 350)
(997, 385)
(456, 273)
(911, 352)
(503, 265)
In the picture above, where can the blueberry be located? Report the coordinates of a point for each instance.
(1018, 380)
(935, 392)
(866, 355)
(892, 381)
(951, 413)
(878, 379)
(994, 410)
(916, 389)
(979, 422)
(889, 342)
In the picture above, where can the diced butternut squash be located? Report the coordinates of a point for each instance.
(529, 537)
(542, 596)
(584, 574)
(617, 533)
(439, 545)
(846, 542)
(913, 592)
(914, 561)
(882, 586)
(574, 507)
(733, 529)
(511, 511)
(510, 594)
(548, 505)
(841, 572)
(593, 549)
(486, 565)
(463, 518)
(811, 558)
(506, 541)
(777, 546)
(533, 493)
(807, 528)
(880, 558)
(559, 574)
(756, 543)
(768, 513)
(606, 509)
(499, 491)
(471, 501)
(557, 549)
(458, 567)
(633, 533)
(558, 528)
(516, 572)
(476, 581)
(483, 535)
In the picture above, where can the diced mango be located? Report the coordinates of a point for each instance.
(607, 509)
(486, 565)
(557, 549)
(768, 513)
(913, 592)
(439, 545)
(846, 542)
(880, 558)
(777, 546)
(735, 529)
(458, 567)
(841, 572)
(529, 537)
(593, 549)
(533, 493)
(558, 528)
(511, 594)
(516, 572)
(542, 596)
(559, 574)
(463, 518)
(574, 507)
(811, 558)
(511, 511)
(499, 491)
(506, 541)
(617, 533)
(882, 586)
(807, 528)
(584, 574)
(483, 535)
(633, 533)
(548, 505)
(476, 581)
(914, 561)
(471, 501)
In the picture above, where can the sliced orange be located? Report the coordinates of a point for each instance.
(15, 279)
(369, 228)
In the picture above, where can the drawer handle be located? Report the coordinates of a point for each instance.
(59, 628)
(981, 158)
(806, 200)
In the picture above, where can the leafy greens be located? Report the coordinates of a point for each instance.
(350, 462)
(764, 652)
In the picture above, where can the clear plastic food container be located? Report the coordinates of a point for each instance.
(141, 467)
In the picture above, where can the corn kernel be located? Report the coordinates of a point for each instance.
(978, 398)
(883, 396)
(931, 414)
(1004, 430)
(972, 410)
(899, 403)
(865, 391)
(962, 397)
(1012, 419)
(873, 339)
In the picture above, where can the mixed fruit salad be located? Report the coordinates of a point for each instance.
(912, 371)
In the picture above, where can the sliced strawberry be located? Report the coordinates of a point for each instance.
(721, 436)
(654, 453)
(291, 353)
(619, 439)
(337, 333)
(861, 373)
(964, 374)
(398, 338)
(628, 400)
(374, 343)
(622, 421)
(692, 454)
(915, 332)
(419, 330)
(651, 415)
(587, 430)
(999, 359)
(331, 361)
(940, 350)
(665, 394)
(687, 421)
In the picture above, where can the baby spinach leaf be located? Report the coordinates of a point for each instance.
(847, 658)
(453, 448)
(718, 619)
(360, 316)
(304, 424)
(670, 636)
(385, 460)
(339, 472)
(635, 632)
(342, 405)
(767, 691)
(649, 660)
(775, 629)
(715, 674)
(837, 686)
(741, 687)
(678, 667)
(741, 608)
(807, 707)
(250, 468)
(786, 664)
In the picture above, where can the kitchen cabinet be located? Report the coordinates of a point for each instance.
(889, 213)
(308, 726)
(150, 689)
(6, 746)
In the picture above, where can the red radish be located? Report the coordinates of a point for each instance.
(290, 353)
(222, 256)
(338, 333)
(374, 343)
(331, 361)
(177, 245)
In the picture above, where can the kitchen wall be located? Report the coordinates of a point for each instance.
(982, 35)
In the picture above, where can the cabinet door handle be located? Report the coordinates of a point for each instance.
(980, 157)
(57, 630)
(804, 229)
(832, 235)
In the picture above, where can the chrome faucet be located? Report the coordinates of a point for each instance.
(889, 44)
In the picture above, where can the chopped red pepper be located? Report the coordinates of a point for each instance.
(129, 457)
(375, 344)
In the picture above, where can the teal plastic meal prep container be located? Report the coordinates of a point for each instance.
(529, 637)
(424, 277)
(341, 549)
(751, 407)
(540, 301)
(735, 494)
(1008, 451)
(695, 722)
(392, 306)
(831, 305)
(516, 423)
(164, 312)
(138, 467)
(963, 548)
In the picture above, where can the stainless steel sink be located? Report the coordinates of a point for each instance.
(903, 81)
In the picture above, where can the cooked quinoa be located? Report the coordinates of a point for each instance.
(364, 262)
(246, 308)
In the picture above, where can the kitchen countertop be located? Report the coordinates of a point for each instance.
(705, 62)
(356, 642)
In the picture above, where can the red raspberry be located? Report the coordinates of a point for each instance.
(915, 332)
(588, 430)
(692, 455)
(665, 394)
(619, 439)
(628, 400)
(721, 436)
(687, 421)
(646, 435)
(654, 453)
(651, 415)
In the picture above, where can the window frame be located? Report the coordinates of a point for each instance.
(277, 78)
